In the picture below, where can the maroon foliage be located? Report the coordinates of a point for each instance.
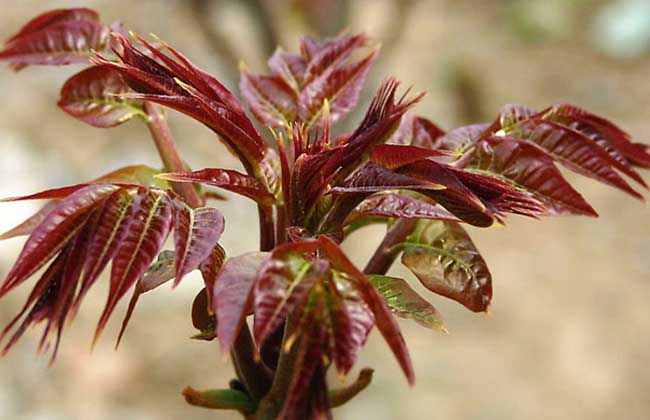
(311, 307)
(62, 36)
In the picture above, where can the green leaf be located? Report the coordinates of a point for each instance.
(406, 302)
(135, 174)
(220, 399)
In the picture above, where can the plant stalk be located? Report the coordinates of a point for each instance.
(271, 405)
(384, 256)
(251, 373)
(168, 152)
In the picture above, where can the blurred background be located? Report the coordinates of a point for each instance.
(569, 327)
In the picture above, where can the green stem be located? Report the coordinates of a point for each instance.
(168, 152)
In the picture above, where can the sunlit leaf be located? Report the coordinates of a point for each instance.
(58, 42)
(574, 150)
(93, 96)
(135, 175)
(446, 261)
(531, 168)
(227, 179)
(196, 233)
(57, 228)
(138, 249)
(341, 88)
(270, 99)
(28, 226)
(406, 303)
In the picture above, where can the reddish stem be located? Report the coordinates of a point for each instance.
(168, 152)
(384, 256)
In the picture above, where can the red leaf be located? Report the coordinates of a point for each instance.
(160, 272)
(425, 133)
(511, 114)
(51, 17)
(400, 206)
(417, 131)
(373, 178)
(606, 134)
(93, 96)
(501, 197)
(455, 197)
(39, 300)
(270, 99)
(531, 168)
(383, 318)
(27, 227)
(233, 295)
(58, 227)
(341, 88)
(351, 321)
(324, 57)
(381, 119)
(461, 139)
(307, 368)
(138, 249)
(290, 67)
(55, 193)
(574, 150)
(62, 42)
(210, 268)
(196, 233)
(283, 285)
(110, 229)
(228, 180)
(184, 87)
(446, 261)
(393, 156)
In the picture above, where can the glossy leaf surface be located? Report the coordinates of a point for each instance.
(227, 179)
(532, 169)
(91, 225)
(406, 303)
(196, 233)
(93, 96)
(446, 261)
(574, 150)
(233, 295)
(56, 38)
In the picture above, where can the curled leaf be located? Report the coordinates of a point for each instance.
(94, 96)
(443, 257)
